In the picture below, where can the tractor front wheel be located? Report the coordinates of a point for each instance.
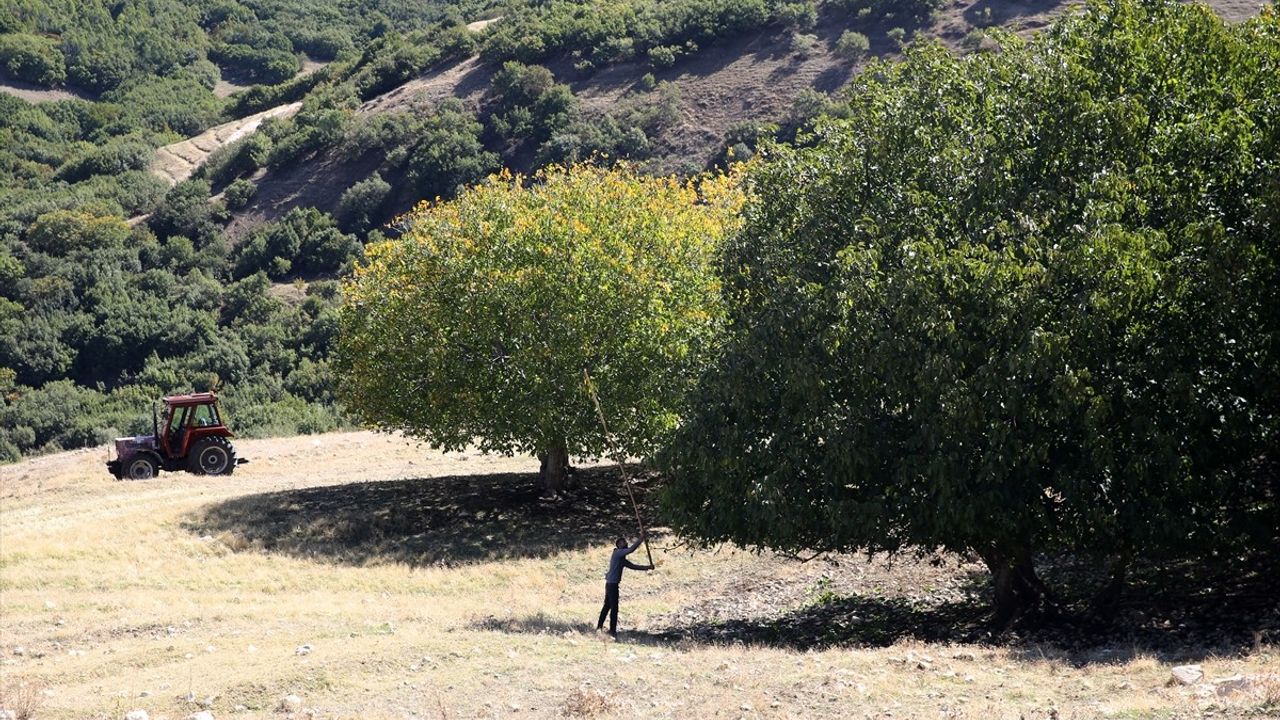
(211, 456)
(142, 467)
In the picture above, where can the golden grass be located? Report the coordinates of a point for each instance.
(109, 603)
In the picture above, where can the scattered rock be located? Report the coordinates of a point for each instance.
(1230, 685)
(202, 715)
(964, 656)
(8, 714)
(137, 715)
(302, 650)
(1185, 675)
(289, 703)
(49, 604)
(19, 650)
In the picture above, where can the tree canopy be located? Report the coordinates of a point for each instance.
(1017, 301)
(477, 325)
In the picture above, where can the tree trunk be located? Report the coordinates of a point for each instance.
(554, 472)
(1018, 591)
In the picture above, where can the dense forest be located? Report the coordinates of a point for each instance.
(117, 287)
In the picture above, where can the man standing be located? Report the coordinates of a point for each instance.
(611, 579)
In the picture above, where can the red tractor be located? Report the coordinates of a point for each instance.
(194, 439)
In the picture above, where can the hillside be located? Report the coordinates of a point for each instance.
(372, 579)
(224, 279)
(759, 77)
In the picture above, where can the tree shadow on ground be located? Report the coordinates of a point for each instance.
(1185, 612)
(440, 521)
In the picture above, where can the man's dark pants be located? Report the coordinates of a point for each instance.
(610, 608)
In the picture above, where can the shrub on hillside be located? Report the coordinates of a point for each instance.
(360, 206)
(239, 193)
(852, 45)
(33, 59)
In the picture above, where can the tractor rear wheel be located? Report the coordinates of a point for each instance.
(142, 467)
(211, 456)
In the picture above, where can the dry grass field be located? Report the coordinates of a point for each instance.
(371, 578)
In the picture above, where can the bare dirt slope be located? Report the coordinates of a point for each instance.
(178, 161)
(37, 94)
(372, 578)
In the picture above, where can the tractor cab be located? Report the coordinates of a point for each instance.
(192, 437)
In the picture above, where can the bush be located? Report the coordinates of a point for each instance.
(304, 241)
(803, 44)
(798, 15)
(360, 207)
(852, 45)
(898, 37)
(186, 211)
(112, 158)
(33, 59)
(239, 193)
(663, 56)
(449, 153)
(64, 231)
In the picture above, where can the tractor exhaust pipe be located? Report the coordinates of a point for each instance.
(155, 423)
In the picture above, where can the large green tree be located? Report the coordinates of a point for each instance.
(1015, 302)
(478, 324)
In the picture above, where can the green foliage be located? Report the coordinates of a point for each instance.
(239, 193)
(603, 33)
(852, 45)
(305, 241)
(449, 153)
(361, 205)
(63, 231)
(897, 36)
(186, 211)
(798, 15)
(529, 104)
(803, 44)
(913, 12)
(33, 59)
(1015, 302)
(476, 326)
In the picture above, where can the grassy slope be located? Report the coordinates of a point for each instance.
(418, 600)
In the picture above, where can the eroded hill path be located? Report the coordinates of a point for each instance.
(178, 161)
(374, 578)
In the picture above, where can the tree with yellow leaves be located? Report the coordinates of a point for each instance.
(476, 326)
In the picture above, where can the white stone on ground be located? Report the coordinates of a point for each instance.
(1186, 675)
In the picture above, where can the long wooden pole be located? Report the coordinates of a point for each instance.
(620, 460)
